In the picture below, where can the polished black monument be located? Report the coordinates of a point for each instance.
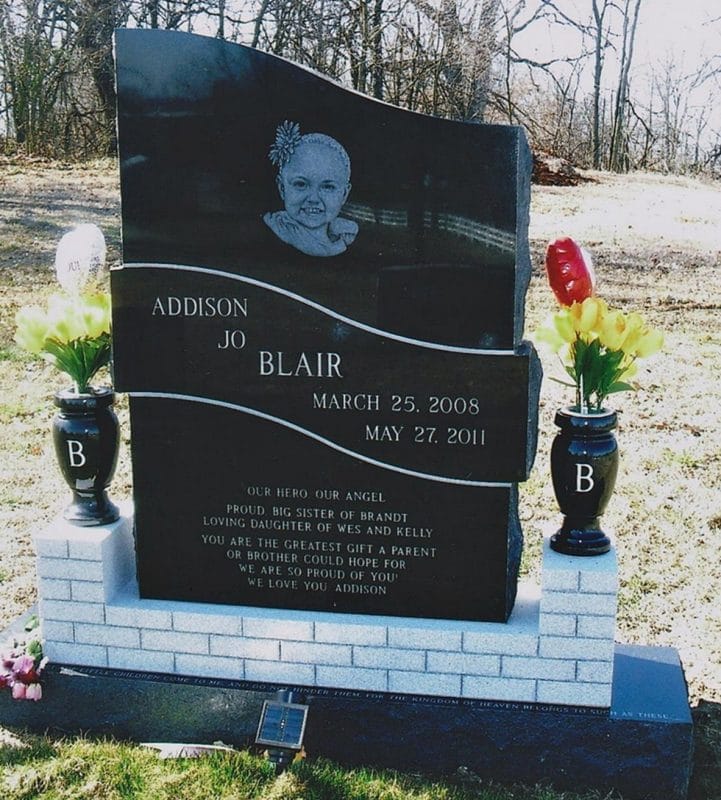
(318, 320)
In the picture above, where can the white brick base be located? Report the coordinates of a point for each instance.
(556, 647)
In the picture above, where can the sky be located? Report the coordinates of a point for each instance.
(681, 26)
(681, 32)
(678, 27)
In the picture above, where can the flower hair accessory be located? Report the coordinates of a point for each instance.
(287, 138)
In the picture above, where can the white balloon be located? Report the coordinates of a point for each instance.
(80, 257)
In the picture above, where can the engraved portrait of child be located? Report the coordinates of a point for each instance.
(313, 182)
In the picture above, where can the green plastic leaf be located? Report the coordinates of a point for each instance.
(80, 358)
(621, 386)
(563, 383)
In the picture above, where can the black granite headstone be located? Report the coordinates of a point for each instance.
(319, 323)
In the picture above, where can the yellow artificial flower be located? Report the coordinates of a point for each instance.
(635, 327)
(649, 343)
(94, 322)
(96, 314)
(630, 372)
(588, 315)
(547, 334)
(613, 330)
(65, 319)
(563, 323)
(32, 328)
(566, 353)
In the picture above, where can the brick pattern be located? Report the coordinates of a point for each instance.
(577, 622)
(556, 648)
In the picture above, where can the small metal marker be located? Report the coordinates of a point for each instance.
(281, 729)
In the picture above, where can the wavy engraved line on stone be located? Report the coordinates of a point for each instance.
(449, 348)
(334, 445)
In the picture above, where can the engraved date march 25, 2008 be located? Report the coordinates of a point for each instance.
(397, 403)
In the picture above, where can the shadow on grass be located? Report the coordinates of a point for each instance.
(706, 778)
(35, 748)
(325, 780)
(79, 767)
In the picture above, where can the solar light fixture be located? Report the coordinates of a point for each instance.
(281, 728)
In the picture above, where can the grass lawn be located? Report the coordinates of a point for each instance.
(80, 769)
(656, 243)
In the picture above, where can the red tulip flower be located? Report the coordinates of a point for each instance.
(570, 271)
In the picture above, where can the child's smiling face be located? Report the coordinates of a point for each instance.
(314, 184)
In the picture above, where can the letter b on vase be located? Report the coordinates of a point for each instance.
(584, 464)
(584, 478)
(76, 455)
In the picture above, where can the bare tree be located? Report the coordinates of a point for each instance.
(619, 157)
(601, 41)
(96, 20)
(470, 45)
(34, 71)
(557, 75)
(463, 59)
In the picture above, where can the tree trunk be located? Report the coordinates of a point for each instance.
(221, 19)
(598, 15)
(618, 158)
(377, 47)
(97, 19)
(258, 25)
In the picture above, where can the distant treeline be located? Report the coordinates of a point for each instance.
(462, 59)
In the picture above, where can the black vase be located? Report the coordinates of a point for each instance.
(86, 437)
(584, 464)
